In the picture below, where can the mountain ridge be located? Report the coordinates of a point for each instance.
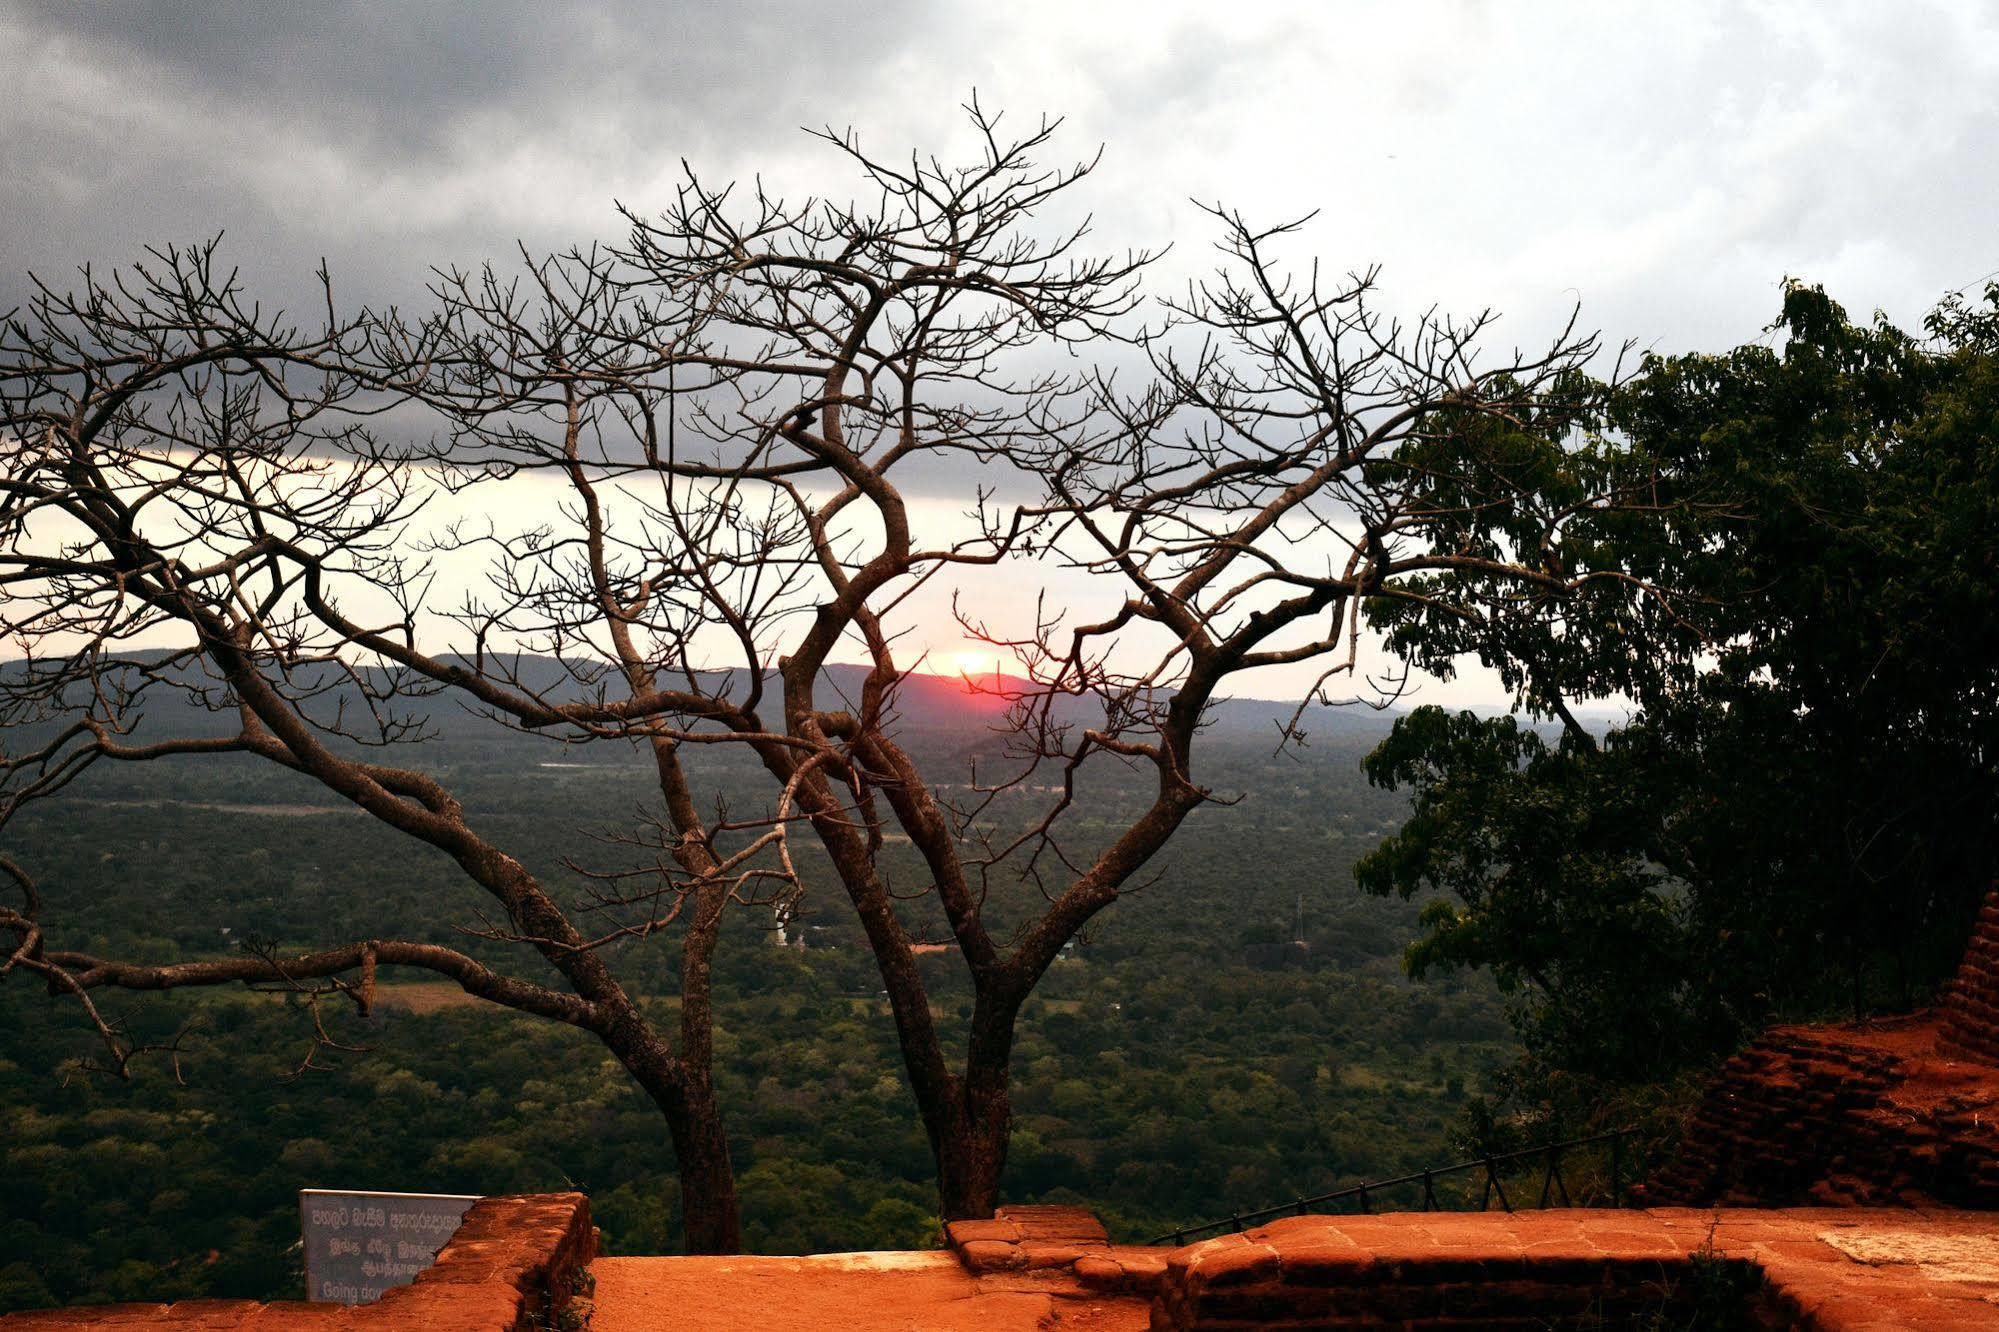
(931, 701)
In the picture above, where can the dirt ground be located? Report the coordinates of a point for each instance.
(903, 1292)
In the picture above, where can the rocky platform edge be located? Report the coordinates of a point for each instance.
(1824, 1269)
(1893, 1111)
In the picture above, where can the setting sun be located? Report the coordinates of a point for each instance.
(974, 665)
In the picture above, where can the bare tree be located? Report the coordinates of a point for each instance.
(740, 405)
(1297, 458)
(749, 391)
(185, 484)
(766, 389)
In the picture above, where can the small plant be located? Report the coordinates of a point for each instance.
(574, 1304)
(1715, 1295)
(1720, 1288)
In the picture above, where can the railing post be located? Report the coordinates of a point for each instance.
(1552, 1182)
(1429, 1193)
(1363, 1199)
(1303, 1207)
(1235, 1222)
(1617, 1169)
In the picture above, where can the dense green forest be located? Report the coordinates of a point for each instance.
(1187, 1058)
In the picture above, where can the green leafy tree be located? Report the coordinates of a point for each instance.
(1800, 806)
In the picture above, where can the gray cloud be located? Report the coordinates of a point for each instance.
(400, 77)
(1665, 165)
(391, 136)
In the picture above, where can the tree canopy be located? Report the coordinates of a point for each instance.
(1797, 810)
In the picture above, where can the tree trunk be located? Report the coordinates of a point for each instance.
(970, 1140)
(708, 1210)
(686, 1098)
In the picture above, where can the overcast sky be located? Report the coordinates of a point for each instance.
(1666, 165)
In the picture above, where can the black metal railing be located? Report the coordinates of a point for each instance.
(1554, 1188)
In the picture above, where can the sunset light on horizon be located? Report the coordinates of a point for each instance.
(973, 663)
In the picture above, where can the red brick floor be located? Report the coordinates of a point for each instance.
(1827, 1269)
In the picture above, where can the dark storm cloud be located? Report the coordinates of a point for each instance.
(1665, 167)
(389, 136)
(397, 74)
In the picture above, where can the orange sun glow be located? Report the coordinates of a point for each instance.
(974, 665)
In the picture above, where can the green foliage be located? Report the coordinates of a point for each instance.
(1184, 1060)
(1803, 803)
(22, 1287)
(1530, 841)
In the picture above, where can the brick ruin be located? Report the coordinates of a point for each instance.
(1663, 1267)
(1820, 1268)
(1895, 1112)
(1970, 1027)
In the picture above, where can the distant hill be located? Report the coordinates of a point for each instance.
(922, 702)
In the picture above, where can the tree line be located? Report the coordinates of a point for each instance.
(1185, 1061)
(1799, 809)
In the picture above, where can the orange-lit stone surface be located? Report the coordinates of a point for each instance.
(1817, 1268)
(932, 1291)
(1825, 1269)
(1828, 1269)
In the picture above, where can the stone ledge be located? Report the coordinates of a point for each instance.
(1122, 1269)
(1024, 1238)
(512, 1260)
(1832, 1270)
(1818, 1268)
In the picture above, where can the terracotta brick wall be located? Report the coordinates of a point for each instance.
(1779, 1122)
(1971, 1006)
(1894, 1112)
(1557, 1269)
(1494, 1293)
(1817, 1270)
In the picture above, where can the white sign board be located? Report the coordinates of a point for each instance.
(358, 1245)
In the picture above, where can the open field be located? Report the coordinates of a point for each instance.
(422, 997)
